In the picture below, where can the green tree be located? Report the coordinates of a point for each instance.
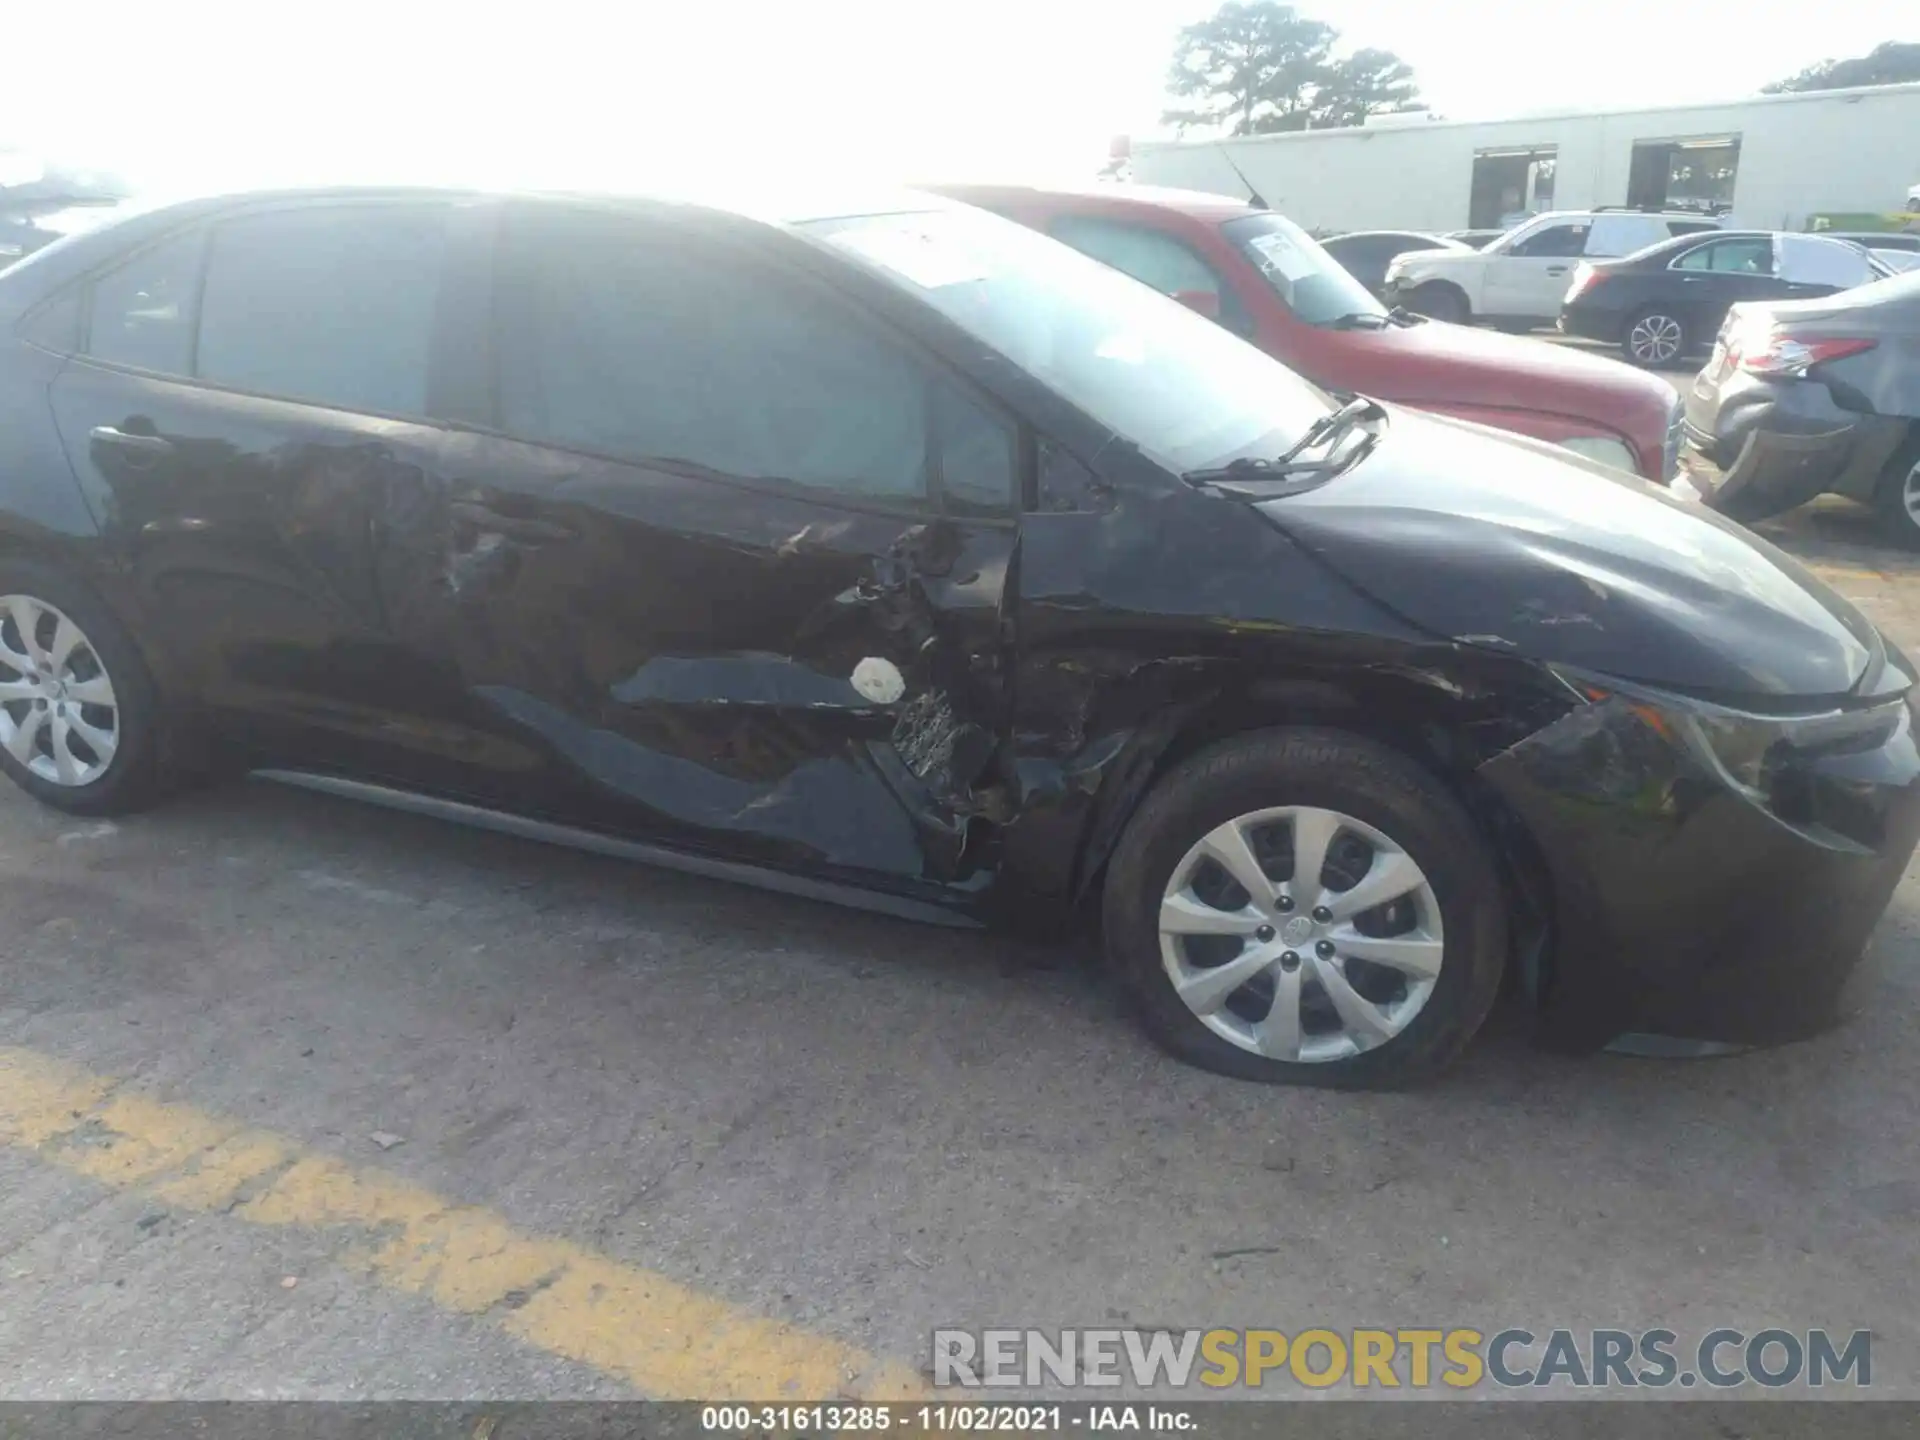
(1892, 63)
(1367, 82)
(1259, 66)
(1253, 66)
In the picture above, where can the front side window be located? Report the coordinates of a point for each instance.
(1138, 364)
(1730, 257)
(624, 342)
(1552, 242)
(334, 305)
(1309, 281)
(141, 314)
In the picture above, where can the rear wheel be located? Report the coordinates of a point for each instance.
(1898, 497)
(78, 717)
(1654, 337)
(1306, 907)
(1440, 302)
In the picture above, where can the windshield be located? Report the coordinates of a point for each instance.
(1310, 282)
(1187, 392)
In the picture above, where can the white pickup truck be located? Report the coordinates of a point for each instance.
(1518, 281)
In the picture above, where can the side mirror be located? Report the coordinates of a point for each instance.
(1201, 302)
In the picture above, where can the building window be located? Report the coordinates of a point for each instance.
(1690, 174)
(1510, 185)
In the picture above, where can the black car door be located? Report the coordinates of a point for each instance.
(730, 558)
(248, 389)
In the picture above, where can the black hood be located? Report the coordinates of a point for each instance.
(1517, 546)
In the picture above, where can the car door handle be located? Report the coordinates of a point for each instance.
(514, 527)
(130, 440)
(1556, 269)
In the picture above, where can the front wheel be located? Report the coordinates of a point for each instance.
(1440, 302)
(1654, 337)
(1308, 907)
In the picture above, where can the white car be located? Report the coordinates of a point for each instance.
(1519, 280)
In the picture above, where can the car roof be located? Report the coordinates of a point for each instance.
(1389, 235)
(1117, 195)
(1676, 243)
(54, 265)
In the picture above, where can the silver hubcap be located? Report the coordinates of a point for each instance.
(58, 714)
(1301, 934)
(1910, 493)
(1655, 337)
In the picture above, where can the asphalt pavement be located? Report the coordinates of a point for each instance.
(300, 1099)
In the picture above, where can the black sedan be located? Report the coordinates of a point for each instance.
(893, 554)
(1667, 301)
(1365, 254)
(1814, 396)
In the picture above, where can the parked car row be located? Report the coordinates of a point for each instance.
(1667, 301)
(1517, 280)
(894, 554)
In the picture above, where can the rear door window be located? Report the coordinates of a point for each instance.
(1730, 257)
(335, 304)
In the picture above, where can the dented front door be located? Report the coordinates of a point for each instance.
(793, 683)
(797, 672)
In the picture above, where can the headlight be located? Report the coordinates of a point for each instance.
(1748, 753)
(1604, 448)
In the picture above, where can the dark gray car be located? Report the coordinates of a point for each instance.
(1805, 397)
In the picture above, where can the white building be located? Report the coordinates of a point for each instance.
(1770, 162)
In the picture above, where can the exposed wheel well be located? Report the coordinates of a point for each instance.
(1420, 721)
(1452, 287)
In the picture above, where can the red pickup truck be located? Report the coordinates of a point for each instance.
(1265, 278)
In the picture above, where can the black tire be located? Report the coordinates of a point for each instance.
(131, 780)
(1648, 325)
(1338, 771)
(1897, 521)
(1438, 300)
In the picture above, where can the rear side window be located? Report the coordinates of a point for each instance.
(141, 314)
(331, 305)
(633, 343)
(1805, 260)
(1730, 257)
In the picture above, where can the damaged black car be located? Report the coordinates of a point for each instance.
(893, 554)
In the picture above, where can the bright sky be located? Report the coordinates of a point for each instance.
(194, 94)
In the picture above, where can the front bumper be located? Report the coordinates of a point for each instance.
(1680, 908)
(1590, 324)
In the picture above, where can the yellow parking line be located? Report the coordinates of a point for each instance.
(1847, 572)
(667, 1340)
